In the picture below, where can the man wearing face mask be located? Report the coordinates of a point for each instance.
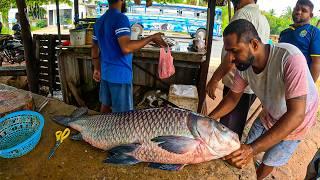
(305, 36)
(279, 76)
(112, 57)
(236, 119)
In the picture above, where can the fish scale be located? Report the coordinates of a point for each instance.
(133, 126)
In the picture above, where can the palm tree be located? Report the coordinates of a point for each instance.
(287, 12)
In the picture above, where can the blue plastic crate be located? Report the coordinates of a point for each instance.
(20, 132)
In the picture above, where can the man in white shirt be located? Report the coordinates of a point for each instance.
(235, 120)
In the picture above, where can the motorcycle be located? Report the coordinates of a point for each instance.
(11, 50)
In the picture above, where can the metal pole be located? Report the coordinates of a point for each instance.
(205, 65)
(76, 12)
(58, 21)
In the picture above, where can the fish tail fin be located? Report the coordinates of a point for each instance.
(65, 120)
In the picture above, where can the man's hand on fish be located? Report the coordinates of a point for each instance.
(157, 38)
(241, 157)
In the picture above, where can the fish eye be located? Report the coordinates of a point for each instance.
(223, 128)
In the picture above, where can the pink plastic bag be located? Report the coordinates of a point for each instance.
(165, 67)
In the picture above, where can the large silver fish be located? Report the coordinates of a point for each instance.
(168, 138)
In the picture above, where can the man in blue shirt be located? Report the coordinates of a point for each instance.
(305, 36)
(112, 57)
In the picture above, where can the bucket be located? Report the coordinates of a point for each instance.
(78, 37)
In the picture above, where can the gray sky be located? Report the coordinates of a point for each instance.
(280, 5)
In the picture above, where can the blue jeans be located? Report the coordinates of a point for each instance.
(279, 154)
(118, 96)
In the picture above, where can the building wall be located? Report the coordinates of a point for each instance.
(63, 8)
(12, 17)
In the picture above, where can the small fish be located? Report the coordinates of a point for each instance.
(168, 138)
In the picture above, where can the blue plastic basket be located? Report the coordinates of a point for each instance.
(20, 132)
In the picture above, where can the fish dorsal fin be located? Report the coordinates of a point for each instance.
(79, 112)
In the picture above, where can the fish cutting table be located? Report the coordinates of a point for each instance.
(79, 160)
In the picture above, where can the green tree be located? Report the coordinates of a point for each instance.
(5, 5)
(277, 24)
(225, 17)
(314, 21)
(287, 13)
(272, 12)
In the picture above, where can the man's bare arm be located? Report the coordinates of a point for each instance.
(225, 67)
(95, 56)
(287, 123)
(129, 46)
(227, 104)
(315, 67)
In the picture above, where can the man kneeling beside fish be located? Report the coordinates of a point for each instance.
(279, 76)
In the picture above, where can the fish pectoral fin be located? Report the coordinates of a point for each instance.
(169, 167)
(176, 144)
(126, 148)
(118, 154)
